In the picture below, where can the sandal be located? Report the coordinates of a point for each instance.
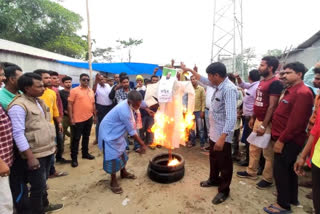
(190, 145)
(279, 210)
(58, 174)
(138, 150)
(128, 176)
(116, 190)
(208, 183)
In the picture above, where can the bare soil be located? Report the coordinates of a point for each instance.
(86, 189)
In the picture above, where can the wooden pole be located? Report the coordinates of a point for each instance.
(89, 45)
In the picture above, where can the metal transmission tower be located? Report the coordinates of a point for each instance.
(227, 34)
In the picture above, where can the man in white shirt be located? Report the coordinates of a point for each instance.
(103, 102)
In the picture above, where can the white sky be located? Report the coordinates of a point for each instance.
(182, 29)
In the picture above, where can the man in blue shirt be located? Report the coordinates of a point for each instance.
(222, 119)
(119, 121)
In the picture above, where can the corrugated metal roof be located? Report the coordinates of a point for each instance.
(306, 44)
(310, 41)
(10, 46)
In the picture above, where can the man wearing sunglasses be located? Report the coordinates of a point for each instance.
(82, 113)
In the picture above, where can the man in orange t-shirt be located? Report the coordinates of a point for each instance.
(82, 113)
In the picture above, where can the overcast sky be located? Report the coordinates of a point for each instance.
(182, 29)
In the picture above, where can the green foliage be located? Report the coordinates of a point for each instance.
(43, 24)
(103, 54)
(274, 52)
(69, 46)
(130, 44)
(248, 64)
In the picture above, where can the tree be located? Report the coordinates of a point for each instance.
(248, 64)
(66, 45)
(103, 54)
(43, 24)
(129, 44)
(274, 52)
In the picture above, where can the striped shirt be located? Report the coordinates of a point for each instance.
(223, 109)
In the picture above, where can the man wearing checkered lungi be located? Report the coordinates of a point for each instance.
(119, 121)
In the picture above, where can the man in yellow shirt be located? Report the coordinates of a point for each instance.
(50, 99)
(199, 107)
(49, 96)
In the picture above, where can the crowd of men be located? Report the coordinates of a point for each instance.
(279, 117)
(274, 114)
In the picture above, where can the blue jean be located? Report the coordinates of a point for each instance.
(200, 127)
(126, 137)
(145, 134)
(20, 175)
(136, 145)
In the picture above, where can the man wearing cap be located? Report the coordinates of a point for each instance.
(140, 86)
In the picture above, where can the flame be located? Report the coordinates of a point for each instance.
(173, 162)
(163, 127)
(159, 126)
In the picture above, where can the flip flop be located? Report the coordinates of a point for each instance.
(281, 211)
(128, 176)
(116, 190)
(58, 174)
(208, 183)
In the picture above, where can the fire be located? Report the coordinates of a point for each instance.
(161, 120)
(173, 162)
(185, 125)
(164, 125)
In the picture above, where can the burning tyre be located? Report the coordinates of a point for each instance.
(163, 170)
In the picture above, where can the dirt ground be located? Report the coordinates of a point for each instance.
(85, 189)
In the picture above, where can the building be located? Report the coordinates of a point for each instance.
(30, 59)
(308, 52)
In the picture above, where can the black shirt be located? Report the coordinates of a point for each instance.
(64, 98)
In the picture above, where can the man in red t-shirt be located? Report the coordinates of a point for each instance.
(289, 123)
(267, 98)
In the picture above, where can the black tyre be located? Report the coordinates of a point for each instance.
(165, 178)
(159, 163)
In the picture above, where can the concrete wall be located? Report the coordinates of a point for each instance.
(29, 64)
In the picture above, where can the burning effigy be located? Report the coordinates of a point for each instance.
(174, 118)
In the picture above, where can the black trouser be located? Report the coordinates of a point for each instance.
(221, 163)
(60, 142)
(284, 175)
(80, 129)
(235, 142)
(60, 148)
(316, 188)
(20, 175)
(101, 112)
(245, 134)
